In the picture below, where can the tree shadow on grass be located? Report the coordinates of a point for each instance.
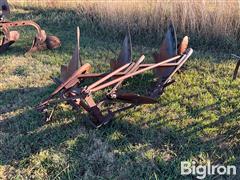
(168, 146)
(125, 140)
(23, 130)
(130, 139)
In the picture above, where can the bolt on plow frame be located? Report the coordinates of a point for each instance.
(41, 41)
(71, 90)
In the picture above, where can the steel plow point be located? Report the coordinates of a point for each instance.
(125, 55)
(75, 62)
(53, 42)
(13, 36)
(167, 50)
(134, 98)
(43, 42)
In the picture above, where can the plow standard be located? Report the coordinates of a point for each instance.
(237, 66)
(70, 88)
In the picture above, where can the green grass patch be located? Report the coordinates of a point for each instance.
(197, 118)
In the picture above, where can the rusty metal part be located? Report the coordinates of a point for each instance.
(94, 85)
(125, 55)
(131, 69)
(40, 42)
(94, 89)
(162, 84)
(75, 62)
(167, 50)
(237, 66)
(134, 98)
(100, 75)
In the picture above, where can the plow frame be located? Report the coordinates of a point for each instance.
(82, 97)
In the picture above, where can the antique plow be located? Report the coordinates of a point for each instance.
(41, 41)
(168, 61)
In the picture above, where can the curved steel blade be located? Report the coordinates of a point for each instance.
(42, 42)
(75, 63)
(125, 55)
(135, 98)
(70, 82)
(167, 50)
(13, 36)
(53, 42)
(39, 42)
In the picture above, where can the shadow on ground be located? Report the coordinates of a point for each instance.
(25, 135)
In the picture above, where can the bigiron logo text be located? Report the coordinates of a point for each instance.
(202, 171)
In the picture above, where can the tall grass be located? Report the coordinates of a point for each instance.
(208, 22)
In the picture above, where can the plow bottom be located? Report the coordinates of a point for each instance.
(41, 41)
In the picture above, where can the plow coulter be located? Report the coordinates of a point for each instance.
(71, 90)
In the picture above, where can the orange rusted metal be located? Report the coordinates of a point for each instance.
(72, 91)
(41, 41)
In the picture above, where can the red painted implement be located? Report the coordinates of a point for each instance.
(167, 62)
(41, 41)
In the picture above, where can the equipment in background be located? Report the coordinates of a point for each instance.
(237, 66)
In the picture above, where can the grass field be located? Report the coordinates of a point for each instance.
(197, 118)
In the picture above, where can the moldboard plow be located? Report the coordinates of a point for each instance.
(41, 41)
(70, 88)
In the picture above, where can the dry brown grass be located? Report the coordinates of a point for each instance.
(206, 17)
